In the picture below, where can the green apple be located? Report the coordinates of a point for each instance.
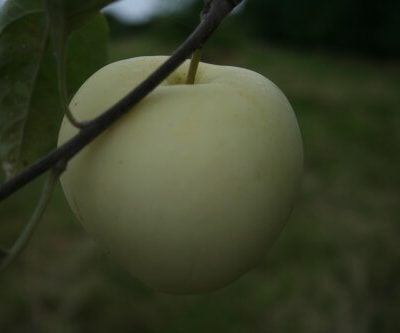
(189, 189)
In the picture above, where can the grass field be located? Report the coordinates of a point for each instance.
(335, 268)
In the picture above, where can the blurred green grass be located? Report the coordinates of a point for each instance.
(336, 266)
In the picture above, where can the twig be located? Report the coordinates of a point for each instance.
(63, 91)
(26, 234)
(216, 12)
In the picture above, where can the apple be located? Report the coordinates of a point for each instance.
(189, 189)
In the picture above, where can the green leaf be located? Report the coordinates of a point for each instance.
(22, 47)
(64, 17)
(70, 14)
(87, 51)
(30, 108)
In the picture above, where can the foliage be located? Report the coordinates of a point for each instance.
(30, 106)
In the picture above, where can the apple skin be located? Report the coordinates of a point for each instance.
(189, 189)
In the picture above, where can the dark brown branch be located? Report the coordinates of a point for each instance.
(216, 12)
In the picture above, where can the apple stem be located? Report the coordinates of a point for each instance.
(194, 65)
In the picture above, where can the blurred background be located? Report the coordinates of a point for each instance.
(336, 266)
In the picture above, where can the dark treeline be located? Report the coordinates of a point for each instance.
(358, 26)
(363, 26)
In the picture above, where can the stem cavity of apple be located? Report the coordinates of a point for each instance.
(194, 65)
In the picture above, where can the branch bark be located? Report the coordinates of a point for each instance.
(216, 11)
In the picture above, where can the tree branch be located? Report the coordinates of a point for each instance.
(216, 11)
